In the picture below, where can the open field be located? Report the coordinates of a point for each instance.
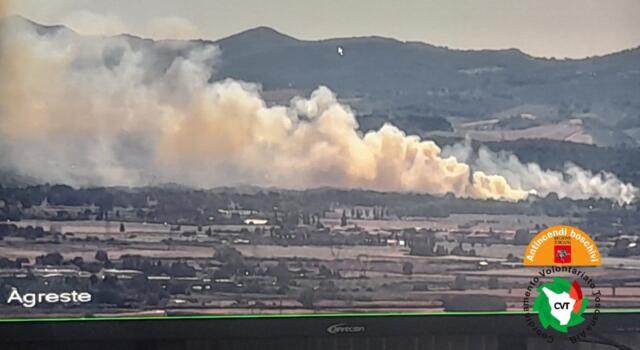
(344, 277)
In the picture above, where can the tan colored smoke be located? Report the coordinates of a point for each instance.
(70, 116)
(313, 143)
(102, 111)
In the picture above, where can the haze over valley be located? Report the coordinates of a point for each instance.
(261, 173)
(386, 115)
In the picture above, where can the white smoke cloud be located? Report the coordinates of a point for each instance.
(110, 111)
(573, 182)
(86, 111)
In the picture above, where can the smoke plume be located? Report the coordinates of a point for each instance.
(573, 182)
(120, 111)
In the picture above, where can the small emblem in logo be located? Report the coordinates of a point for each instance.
(562, 254)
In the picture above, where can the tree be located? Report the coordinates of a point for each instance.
(102, 255)
(324, 271)
(51, 259)
(522, 237)
(122, 229)
(77, 261)
(229, 254)
(460, 283)
(343, 219)
(493, 282)
(105, 204)
(282, 274)
(139, 283)
(407, 268)
(232, 260)
(306, 218)
(108, 295)
(307, 298)
(20, 261)
(181, 269)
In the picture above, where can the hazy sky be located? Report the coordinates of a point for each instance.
(559, 28)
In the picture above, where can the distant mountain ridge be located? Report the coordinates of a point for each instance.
(433, 91)
(396, 80)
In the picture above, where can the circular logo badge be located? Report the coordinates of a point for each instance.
(560, 304)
